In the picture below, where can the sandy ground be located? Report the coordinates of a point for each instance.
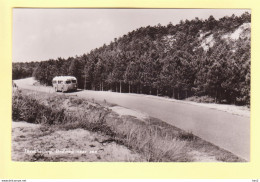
(121, 111)
(34, 142)
(239, 32)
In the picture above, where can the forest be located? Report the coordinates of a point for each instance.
(192, 58)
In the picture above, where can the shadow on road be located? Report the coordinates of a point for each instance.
(78, 90)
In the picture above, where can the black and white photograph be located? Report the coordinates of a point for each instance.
(131, 85)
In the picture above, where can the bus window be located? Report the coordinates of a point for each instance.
(68, 82)
(59, 82)
(74, 81)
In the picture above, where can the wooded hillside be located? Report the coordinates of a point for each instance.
(193, 58)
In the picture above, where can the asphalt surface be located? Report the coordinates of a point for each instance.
(224, 129)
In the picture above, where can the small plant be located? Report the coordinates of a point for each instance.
(188, 136)
(76, 101)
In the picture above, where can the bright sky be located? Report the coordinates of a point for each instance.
(42, 34)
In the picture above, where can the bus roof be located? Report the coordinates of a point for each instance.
(64, 78)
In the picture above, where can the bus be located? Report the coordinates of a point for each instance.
(64, 83)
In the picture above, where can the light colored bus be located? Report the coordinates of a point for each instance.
(65, 83)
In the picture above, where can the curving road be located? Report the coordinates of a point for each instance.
(224, 129)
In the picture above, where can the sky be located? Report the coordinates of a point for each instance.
(42, 34)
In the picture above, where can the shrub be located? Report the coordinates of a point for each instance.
(27, 108)
(201, 99)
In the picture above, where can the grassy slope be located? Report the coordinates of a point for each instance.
(153, 139)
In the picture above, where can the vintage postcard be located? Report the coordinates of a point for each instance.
(96, 89)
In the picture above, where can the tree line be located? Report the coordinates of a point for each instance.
(163, 60)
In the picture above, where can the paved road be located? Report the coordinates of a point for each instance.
(229, 131)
